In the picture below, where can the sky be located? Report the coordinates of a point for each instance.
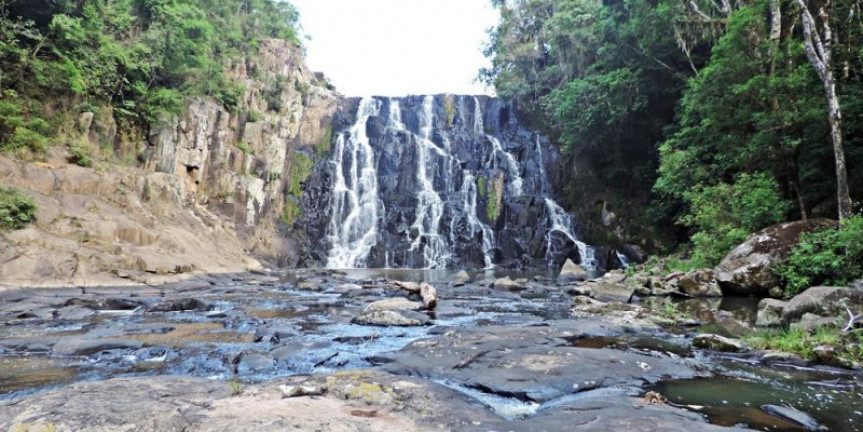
(397, 47)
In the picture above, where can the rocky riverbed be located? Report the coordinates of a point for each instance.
(333, 351)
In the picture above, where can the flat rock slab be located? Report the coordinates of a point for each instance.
(354, 401)
(612, 409)
(535, 364)
(83, 347)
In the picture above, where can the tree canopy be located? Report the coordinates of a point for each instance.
(710, 107)
(143, 57)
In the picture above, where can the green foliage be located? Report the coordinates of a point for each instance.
(16, 209)
(244, 147)
(833, 256)
(688, 98)
(723, 215)
(80, 156)
(19, 127)
(235, 386)
(273, 93)
(254, 116)
(143, 57)
(801, 342)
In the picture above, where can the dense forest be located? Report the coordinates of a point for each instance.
(721, 116)
(141, 58)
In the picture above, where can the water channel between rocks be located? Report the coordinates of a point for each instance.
(301, 323)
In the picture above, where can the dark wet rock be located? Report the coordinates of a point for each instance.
(746, 270)
(29, 345)
(571, 272)
(718, 343)
(73, 313)
(534, 293)
(532, 364)
(84, 347)
(274, 333)
(255, 362)
(189, 285)
(770, 312)
(108, 304)
(608, 409)
(180, 305)
(699, 283)
(392, 318)
(793, 415)
(823, 301)
(286, 352)
(782, 357)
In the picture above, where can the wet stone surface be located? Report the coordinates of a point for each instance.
(534, 359)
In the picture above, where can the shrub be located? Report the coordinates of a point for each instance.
(16, 209)
(724, 215)
(833, 256)
(80, 156)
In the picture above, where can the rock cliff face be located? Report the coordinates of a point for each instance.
(204, 192)
(436, 182)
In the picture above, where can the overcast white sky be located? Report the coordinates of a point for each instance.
(397, 47)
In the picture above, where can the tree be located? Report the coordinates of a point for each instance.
(819, 45)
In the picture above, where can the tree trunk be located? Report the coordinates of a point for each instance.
(818, 49)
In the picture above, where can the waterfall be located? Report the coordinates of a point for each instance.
(354, 204)
(409, 185)
(429, 209)
(515, 186)
(561, 221)
(624, 261)
(468, 193)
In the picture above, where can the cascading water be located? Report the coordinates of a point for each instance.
(354, 204)
(561, 222)
(433, 182)
(429, 209)
(515, 187)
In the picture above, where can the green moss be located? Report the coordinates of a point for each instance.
(481, 186)
(494, 205)
(323, 147)
(301, 168)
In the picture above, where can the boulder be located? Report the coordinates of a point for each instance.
(400, 318)
(810, 322)
(770, 312)
(746, 269)
(822, 301)
(571, 272)
(699, 283)
(718, 343)
(460, 278)
(393, 304)
(507, 284)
